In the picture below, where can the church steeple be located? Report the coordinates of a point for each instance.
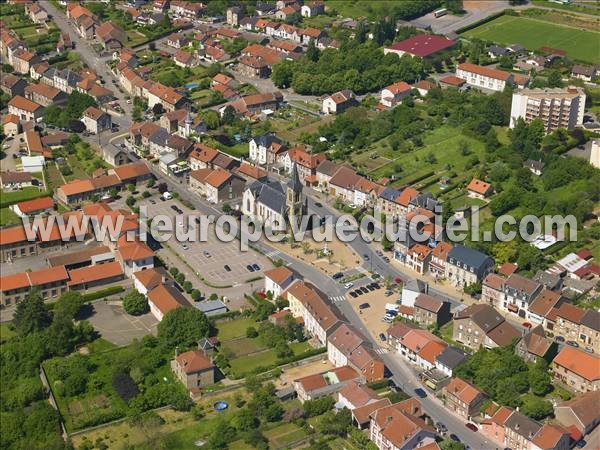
(295, 184)
(294, 197)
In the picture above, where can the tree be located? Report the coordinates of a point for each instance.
(211, 119)
(537, 408)
(245, 420)
(228, 115)
(76, 126)
(251, 332)
(31, 314)
(135, 303)
(449, 444)
(312, 52)
(68, 304)
(336, 423)
(183, 327)
(555, 79)
(158, 109)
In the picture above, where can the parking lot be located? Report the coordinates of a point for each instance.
(372, 314)
(115, 325)
(220, 263)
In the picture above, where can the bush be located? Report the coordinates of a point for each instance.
(125, 386)
(251, 332)
(135, 303)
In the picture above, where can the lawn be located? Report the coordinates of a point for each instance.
(247, 363)
(233, 329)
(6, 332)
(443, 143)
(7, 217)
(242, 346)
(284, 435)
(28, 193)
(532, 33)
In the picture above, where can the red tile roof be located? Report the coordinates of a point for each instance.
(579, 362)
(94, 273)
(485, 71)
(194, 361)
(422, 45)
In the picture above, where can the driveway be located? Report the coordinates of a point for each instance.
(115, 325)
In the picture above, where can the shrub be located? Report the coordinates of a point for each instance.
(125, 386)
(135, 303)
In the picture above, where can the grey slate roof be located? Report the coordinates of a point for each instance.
(451, 357)
(294, 183)
(71, 77)
(160, 137)
(522, 425)
(591, 319)
(266, 140)
(271, 195)
(425, 200)
(547, 279)
(468, 256)
(390, 194)
(497, 50)
(211, 307)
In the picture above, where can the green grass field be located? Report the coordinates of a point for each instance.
(7, 217)
(579, 44)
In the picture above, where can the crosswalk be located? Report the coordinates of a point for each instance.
(337, 298)
(381, 351)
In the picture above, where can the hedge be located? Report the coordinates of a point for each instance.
(380, 384)
(483, 21)
(103, 293)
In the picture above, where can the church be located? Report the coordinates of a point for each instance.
(276, 205)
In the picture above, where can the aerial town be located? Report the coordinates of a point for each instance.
(462, 121)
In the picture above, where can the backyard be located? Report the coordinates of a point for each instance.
(533, 33)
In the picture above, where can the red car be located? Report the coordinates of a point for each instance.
(526, 325)
(471, 426)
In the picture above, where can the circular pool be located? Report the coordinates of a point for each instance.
(220, 405)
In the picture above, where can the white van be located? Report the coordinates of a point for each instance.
(167, 195)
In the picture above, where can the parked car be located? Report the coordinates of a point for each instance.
(352, 294)
(454, 437)
(256, 267)
(364, 306)
(471, 426)
(348, 285)
(364, 290)
(386, 259)
(227, 268)
(358, 292)
(382, 337)
(526, 325)
(572, 344)
(559, 339)
(250, 268)
(337, 276)
(379, 253)
(420, 392)
(441, 427)
(366, 257)
(388, 293)
(318, 204)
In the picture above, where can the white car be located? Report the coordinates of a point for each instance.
(348, 285)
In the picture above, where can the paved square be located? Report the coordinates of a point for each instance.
(208, 259)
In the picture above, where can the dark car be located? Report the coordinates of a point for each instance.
(386, 259)
(255, 266)
(572, 344)
(471, 426)
(366, 257)
(382, 337)
(454, 437)
(364, 306)
(364, 290)
(370, 288)
(420, 392)
(174, 208)
(358, 292)
(227, 268)
(353, 294)
(250, 268)
(441, 427)
(337, 276)
(318, 205)
(559, 339)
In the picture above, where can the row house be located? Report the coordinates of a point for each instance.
(346, 346)
(306, 163)
(216, 185)
(110, 36)
(431, 311)
(493, 427)
(325, 172)
(439, 256)
(253, 105)
(416, 345)
(12, 85)
(466, 266)
(23, 60)
(9, 44)
(355, 395)
(313, 387)
(463, 398)
(279, 279)
(580, 413)
(484, 77)
(95, 120)
(65, 80)
(168, 97)
(45, 95)
(50, 282)
(481, 325)
(320, 317)
(519, 292)
(25, 109)
(577, 324)
(190, 10)
(257, 60)
(542, 305)
(135, 257)
(492, 289)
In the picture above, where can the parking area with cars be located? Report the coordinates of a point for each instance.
(220, 263)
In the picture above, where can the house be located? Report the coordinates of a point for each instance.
(96, 121)
(29, 208)
(86, 26)
(577, 369)
(64, 42)
(439, 256)
(339, 102)
(164, 298)
(431, 311)
(320, 317)
(423, 87)
(45, 95)
(278, 279)
(134, 257)
(312, 9)
(450, 359)
(251, 173)
(56, 139)
(534, 345)
(484, 77)
(305, 162)
(11, 125)
(133, 173)
(14, 242)
(481, 325)
(313, 387)
(581, 412)
(12, 85)
(25, 109)
(354, 395)
(255, 104)
(519, 431)
(451, 81)
(36, 13)
(494, 426)
(418, 257)
(234, 15)
(394, 93)
(341, 184)
(492, 290)
(257, 60)
(189, 10)
(185, 59)
(346, 346)
(466, 266)
(536, 167)
(421, 45)
(542, 305)
(396, 427)
(111, 36)
(519, 292)
(479, 189)
(194, 369)
(146, 280)
(265, 149)
(216, 185)
(589, 330)
(177, 40)
(585, 73)
(283, 13)
(23, 60)
(463, 398)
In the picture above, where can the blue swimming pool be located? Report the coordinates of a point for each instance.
(191, 86)
(220, 405)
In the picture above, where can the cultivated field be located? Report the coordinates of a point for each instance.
(579, 44)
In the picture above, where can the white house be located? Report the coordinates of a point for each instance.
(278, 279)
(135, 256)
(484, 77)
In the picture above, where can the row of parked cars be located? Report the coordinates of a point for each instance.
(364, 289)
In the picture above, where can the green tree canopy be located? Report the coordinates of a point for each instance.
(183, 327)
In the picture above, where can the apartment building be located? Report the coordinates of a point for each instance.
(577, 369)
(556, 108)
(463, 398)
(481, 325)
(484, 77)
